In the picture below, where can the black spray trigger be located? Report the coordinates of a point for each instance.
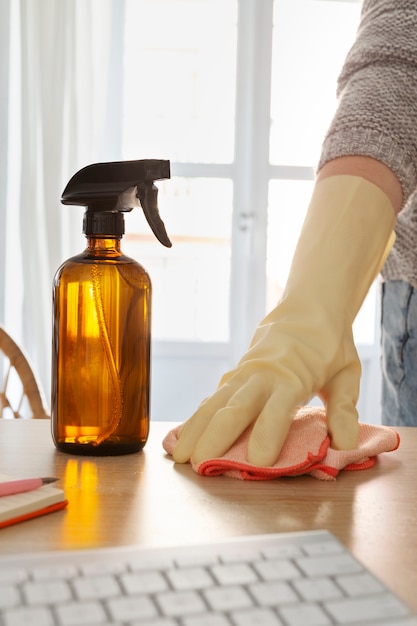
(147, 193)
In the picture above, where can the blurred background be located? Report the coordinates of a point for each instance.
(237, 94)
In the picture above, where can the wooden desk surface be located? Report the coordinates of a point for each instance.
(145, 499)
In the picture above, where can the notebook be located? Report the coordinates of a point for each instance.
(289, 579)
(20, 507)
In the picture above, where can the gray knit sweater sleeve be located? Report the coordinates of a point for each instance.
(377, 90)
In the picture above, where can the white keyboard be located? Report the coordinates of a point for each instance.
(290, 579)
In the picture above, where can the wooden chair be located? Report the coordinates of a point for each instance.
(21, 394)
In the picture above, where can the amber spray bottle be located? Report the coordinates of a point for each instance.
(102, 316)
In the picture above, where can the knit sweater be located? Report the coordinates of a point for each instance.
(377, 113)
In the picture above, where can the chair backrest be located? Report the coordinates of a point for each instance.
(21, 394)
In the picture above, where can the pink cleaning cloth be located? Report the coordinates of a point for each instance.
(306, 451)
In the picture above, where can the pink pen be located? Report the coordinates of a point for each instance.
(11, 487)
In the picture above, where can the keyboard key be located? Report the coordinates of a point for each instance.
(143, 582)
(256, 617)
(273, 594)
(282, 569)
(80, 614)
(210, 619)
(320, 548)
(13, 575)
(181, 603)
(190, 578)
(304, 614)
(48, 592)
(353, 610)
(360, 584)
(329, 565)
(9, 596)
(241, 555)
(282, 551)
(29, 617)
(234, 574)
(94, 588)
(128, 609)
(316, 589)
(227, 598)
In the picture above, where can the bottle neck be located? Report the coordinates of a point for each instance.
(104, 246)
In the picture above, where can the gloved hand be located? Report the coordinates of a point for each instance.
(304, 347)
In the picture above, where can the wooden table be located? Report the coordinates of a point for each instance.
(145, 499)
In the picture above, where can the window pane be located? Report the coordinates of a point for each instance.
(180, 74)
(310, 41)
(191, 280)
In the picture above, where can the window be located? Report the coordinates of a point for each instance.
(238, 95)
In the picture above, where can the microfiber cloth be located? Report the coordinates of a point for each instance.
(306, 451)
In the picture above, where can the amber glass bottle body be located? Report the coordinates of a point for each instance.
(101, 352)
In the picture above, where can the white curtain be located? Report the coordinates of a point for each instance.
(54, 94)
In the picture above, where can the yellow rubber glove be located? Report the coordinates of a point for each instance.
(304, 347)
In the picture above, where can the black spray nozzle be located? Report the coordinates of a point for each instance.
(119, 186)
